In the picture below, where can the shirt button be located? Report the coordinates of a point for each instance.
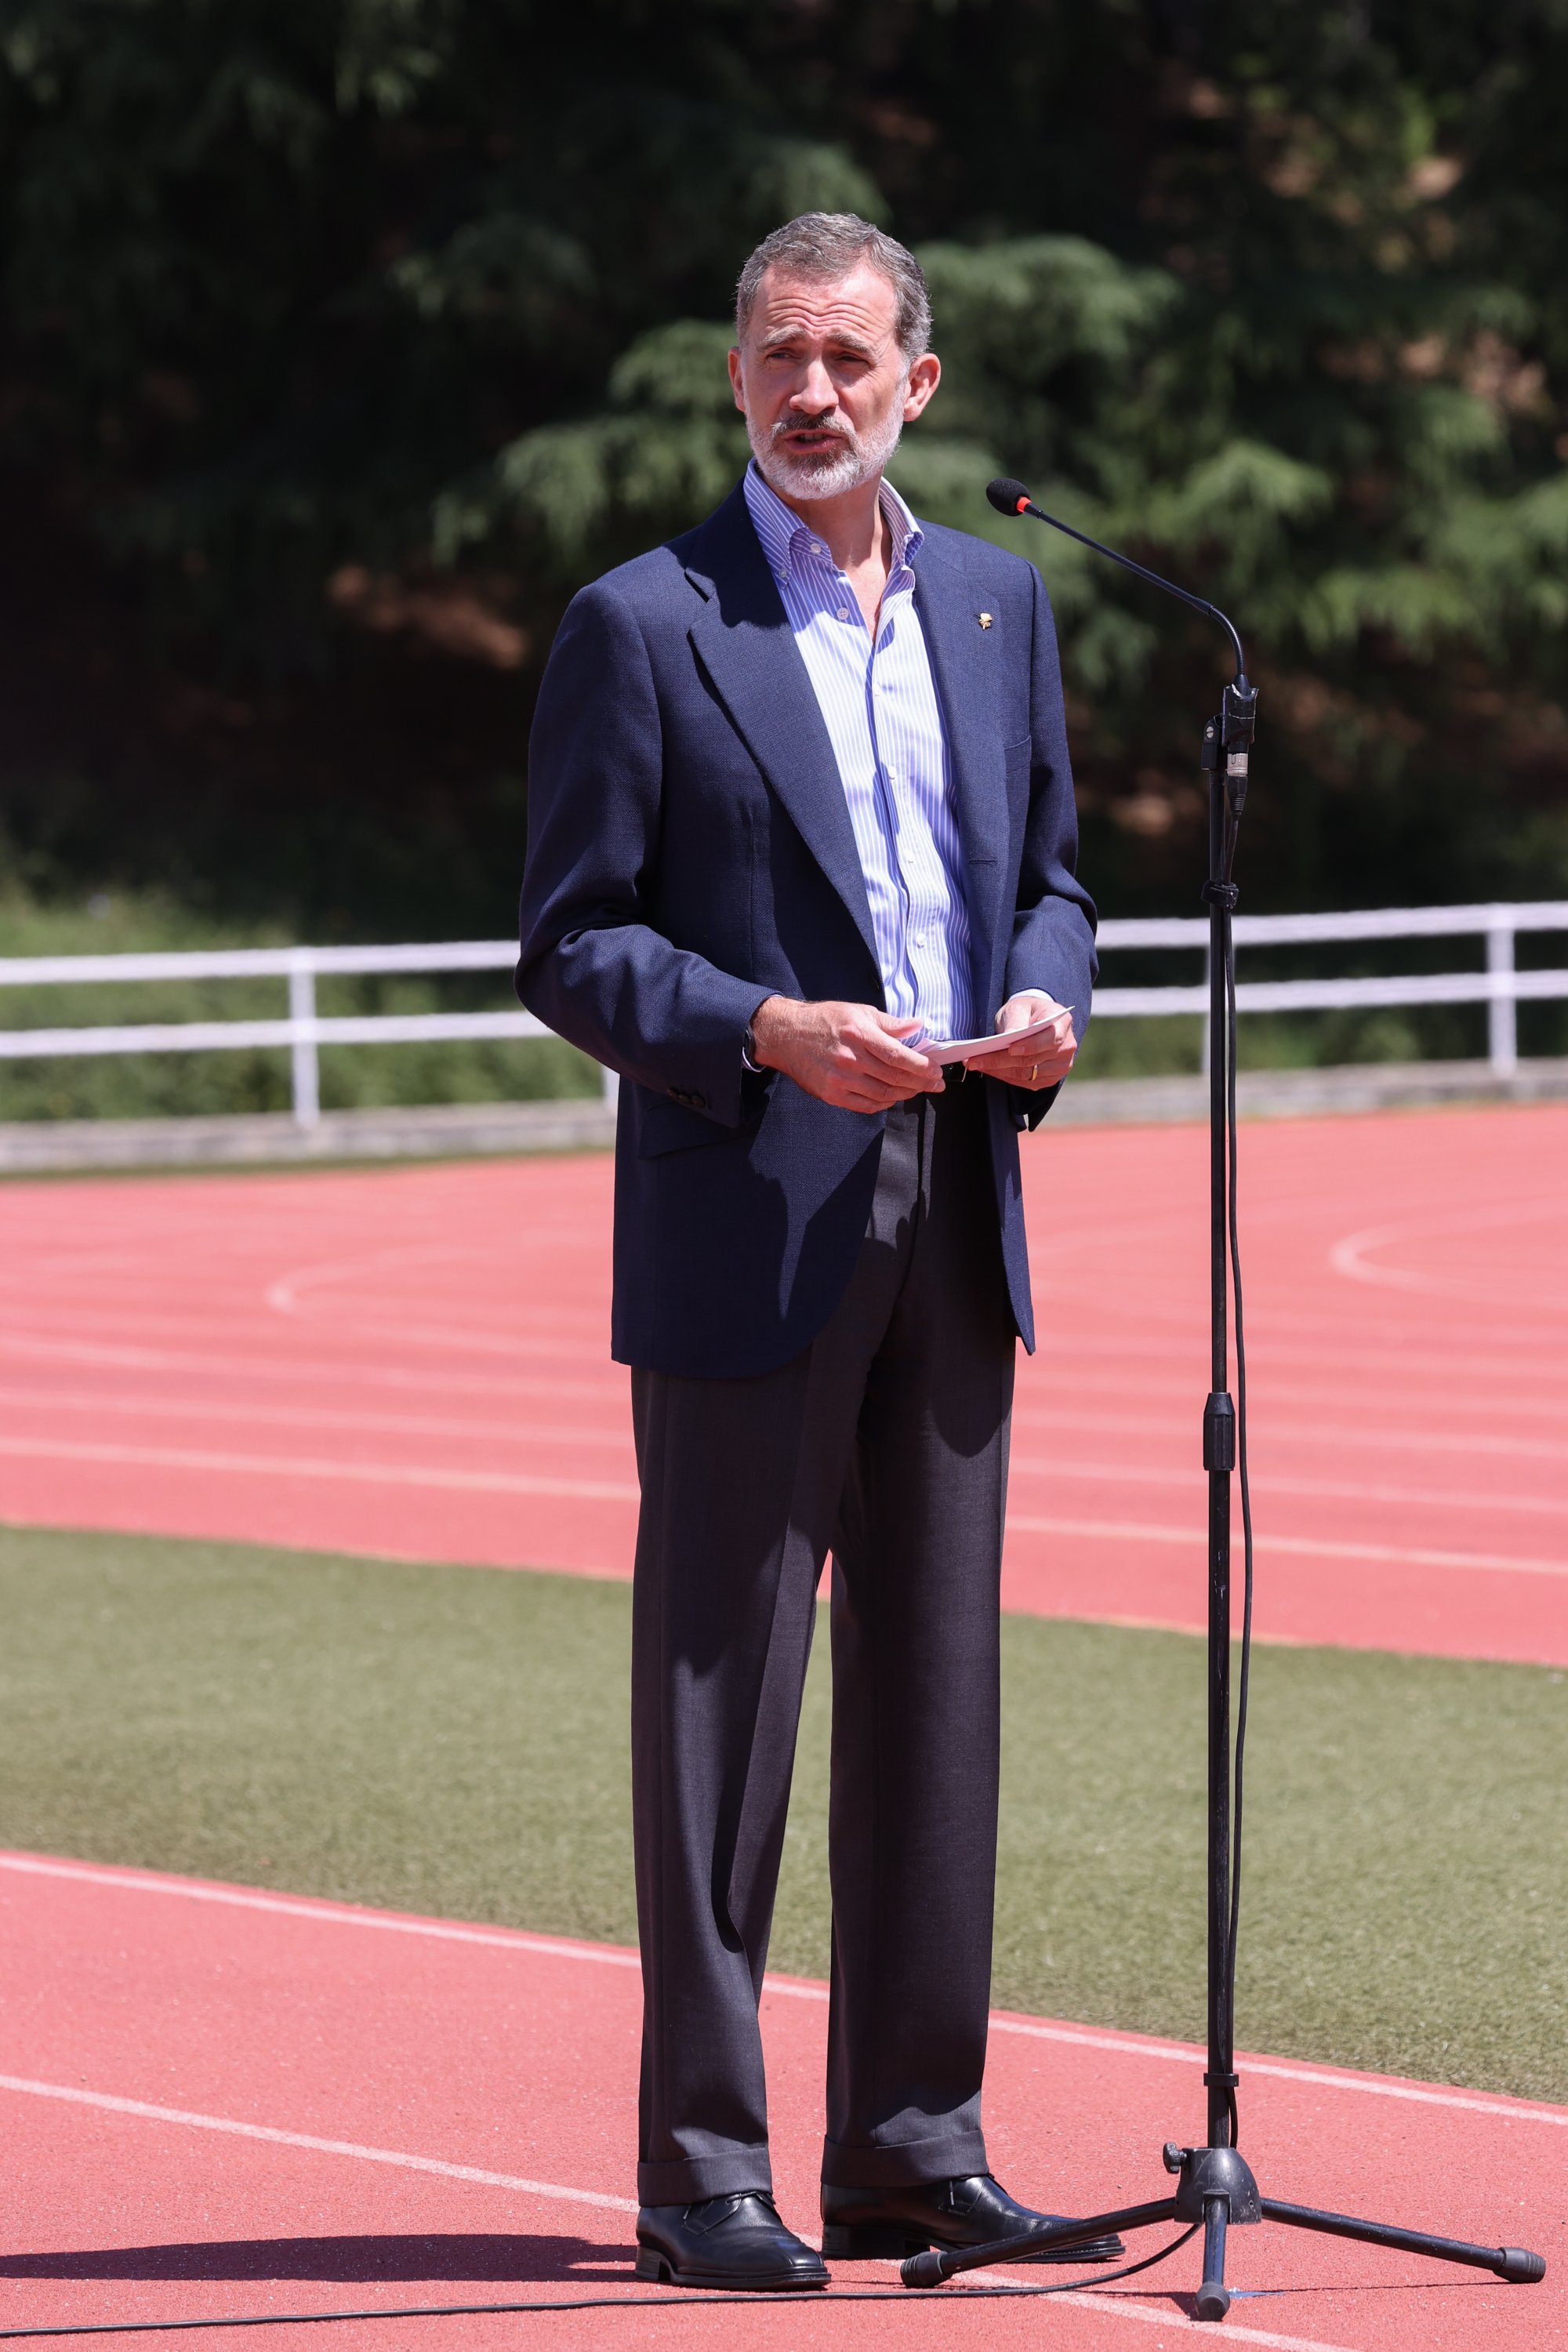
(844, 611)
(814, 549)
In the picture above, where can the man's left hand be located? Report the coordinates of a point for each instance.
(1047, 1058)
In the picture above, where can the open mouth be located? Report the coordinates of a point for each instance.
(810, 441)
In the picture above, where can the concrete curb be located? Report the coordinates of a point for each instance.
(271, 1139)
(1306, 1094)
(465, 1130)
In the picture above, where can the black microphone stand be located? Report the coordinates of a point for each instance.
(1214, 2185)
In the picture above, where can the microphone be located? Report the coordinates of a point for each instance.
(1010, 497)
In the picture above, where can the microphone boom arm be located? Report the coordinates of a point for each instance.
(1198, 603)
(1238, 717)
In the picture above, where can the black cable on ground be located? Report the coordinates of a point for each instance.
(1245, 1674)
(668, 2299)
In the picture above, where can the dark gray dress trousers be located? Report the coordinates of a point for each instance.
(886, 1442)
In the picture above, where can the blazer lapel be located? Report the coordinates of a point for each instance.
(966, 663)
(743, 641)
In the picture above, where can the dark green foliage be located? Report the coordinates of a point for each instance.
(453, 1740)
(310, 302)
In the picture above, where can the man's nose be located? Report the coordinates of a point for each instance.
(816, 390)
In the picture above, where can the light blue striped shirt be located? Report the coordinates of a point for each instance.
(880, 702)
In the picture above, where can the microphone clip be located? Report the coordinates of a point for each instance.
(1238, 720)
(1239, 716)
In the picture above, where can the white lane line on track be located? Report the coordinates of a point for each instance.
(512, 1482)
(600, 2199)
(1366, 1433)
(150, 2113)
(1349, 1255)
(1308, 1547)
(1116, 1371)
(272, 1465)
(1263, 1482)
(1119, 2306)
(282, 1293)
(326, 1370)
(1366, 1394)
(1119, 1367)
(1279, 2070)
(1190, 2054)
(352, 1341)
(244, 1898)
(145, 1406)
(246, 1412)
(608, 1394)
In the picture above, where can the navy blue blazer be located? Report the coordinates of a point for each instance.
(690, 852)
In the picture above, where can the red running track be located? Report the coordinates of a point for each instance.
(413, 1362)
(222, 2102)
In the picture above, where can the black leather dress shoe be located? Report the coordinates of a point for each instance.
(863, 2225)
(735, 2241)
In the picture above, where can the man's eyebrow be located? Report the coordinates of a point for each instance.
(845, 341)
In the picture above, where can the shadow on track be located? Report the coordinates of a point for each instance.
(496, 2258)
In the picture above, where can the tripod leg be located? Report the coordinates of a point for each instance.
(1214, 2295)
(1514, 2264)
(931, 2268)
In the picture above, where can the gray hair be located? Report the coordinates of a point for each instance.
(830, 246)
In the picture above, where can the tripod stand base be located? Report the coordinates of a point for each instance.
(1215, 2187)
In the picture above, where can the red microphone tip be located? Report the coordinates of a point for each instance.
(1022, 506)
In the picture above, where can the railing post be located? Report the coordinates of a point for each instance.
(302, 1014)
(1503, 1014)
(612, 1085)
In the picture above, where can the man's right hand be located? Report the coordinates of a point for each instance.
(846, 1055)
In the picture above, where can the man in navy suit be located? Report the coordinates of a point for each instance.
(799, 803)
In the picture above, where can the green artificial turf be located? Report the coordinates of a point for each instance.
(453, 1741)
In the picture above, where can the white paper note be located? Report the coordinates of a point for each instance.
(974, 1049)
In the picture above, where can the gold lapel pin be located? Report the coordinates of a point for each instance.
(986, 620)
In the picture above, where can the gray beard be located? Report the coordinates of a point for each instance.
(858, 459)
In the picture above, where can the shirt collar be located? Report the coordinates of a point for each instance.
(786, 539)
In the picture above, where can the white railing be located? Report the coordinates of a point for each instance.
(304, 1031)
(1501, 986)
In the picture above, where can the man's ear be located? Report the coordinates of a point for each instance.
(925, 374)
(735, 379)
